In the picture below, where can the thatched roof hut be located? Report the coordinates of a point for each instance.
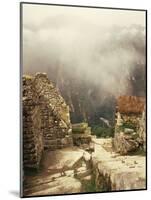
(130, 104)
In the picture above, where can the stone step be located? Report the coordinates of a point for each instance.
(62, 185)
(82, 172)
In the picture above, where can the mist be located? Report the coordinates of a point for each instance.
(75, 47)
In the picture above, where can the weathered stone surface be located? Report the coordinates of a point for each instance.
(69, 173)
(63, 160)
(62, 173)
(46, 119)
(130, 124)
(87, 179)
(115, 172)
(82, 172)
(32, 133)
(125, 143)
(62, 185)
(142, 130)
(82, 136)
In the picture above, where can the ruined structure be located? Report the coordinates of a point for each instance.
(82, 137)
(130, 124)
(46, 125)
(46, 120)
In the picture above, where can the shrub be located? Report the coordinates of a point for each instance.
(103, 132)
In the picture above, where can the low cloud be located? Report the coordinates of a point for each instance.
(105, 57)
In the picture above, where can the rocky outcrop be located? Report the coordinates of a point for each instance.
(46, 119)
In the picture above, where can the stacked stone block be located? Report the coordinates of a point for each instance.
(46, 119)
(142, 130)
(54, 113)
(81, 134)
(32, 133)
(130, 124)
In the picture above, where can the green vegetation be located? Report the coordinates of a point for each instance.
(129, 124)
(103, 132)
(140, 151)
(79, 127)
(90, 186)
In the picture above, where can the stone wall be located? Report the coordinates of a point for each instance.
(46, 119)
(82, 137)
(130, 125)
(32, 133)
(142, 130)
(126, 137)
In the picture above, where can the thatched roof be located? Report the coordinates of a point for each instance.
(130, 104)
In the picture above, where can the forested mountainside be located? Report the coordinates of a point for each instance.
(91, 68)
(89, 102)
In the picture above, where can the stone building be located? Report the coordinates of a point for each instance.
(46, 119)
(130, 133)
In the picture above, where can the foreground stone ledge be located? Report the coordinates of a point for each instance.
(116, 172)
(62, 185)
(63, 172)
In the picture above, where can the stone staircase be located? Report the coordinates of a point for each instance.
(62, 172)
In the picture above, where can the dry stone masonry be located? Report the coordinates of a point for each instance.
(32, 122)
(86, 162)
(142, 129)
(130, 124)
(46, 119)
(82, 137)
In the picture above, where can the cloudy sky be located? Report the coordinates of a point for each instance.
(98, 45)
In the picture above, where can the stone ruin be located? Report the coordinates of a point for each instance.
(130, 133)
(46, 125)
(82, 137)
(46, 119)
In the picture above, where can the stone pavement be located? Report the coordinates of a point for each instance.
(62, 173)
(120, 172)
